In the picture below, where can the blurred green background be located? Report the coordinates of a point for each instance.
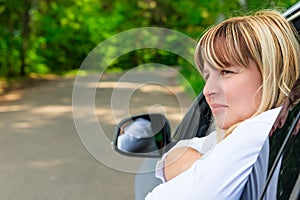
(40, 37)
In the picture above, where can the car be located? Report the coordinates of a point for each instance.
(284, 144)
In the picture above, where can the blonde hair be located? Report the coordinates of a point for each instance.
(265, 37)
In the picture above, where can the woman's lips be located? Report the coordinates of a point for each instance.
(215, 108)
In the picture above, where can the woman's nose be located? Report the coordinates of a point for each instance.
(211, 87)
(206, 90)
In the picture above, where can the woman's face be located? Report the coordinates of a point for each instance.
(233, 93)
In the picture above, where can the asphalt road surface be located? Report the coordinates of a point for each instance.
(41, 155)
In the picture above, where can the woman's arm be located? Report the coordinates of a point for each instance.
(179, 160)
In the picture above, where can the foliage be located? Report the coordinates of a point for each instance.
(53, 36)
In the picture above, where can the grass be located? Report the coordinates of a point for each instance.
(18, 82)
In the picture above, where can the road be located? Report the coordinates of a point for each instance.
(41, 155)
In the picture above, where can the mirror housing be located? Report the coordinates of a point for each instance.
(145, 135)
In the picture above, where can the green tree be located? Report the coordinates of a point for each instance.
(55, 36)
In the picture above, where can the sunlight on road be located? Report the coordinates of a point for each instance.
(14, 96)
(52, 110)
(14, 108)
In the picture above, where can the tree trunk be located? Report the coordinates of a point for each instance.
(25, 36)
(9, 60)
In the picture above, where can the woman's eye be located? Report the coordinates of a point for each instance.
(225, 72)
(205, 76)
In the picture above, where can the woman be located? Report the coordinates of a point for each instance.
(250, 64)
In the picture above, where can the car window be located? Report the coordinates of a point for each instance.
(285, 155)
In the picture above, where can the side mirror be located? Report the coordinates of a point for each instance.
(144, 135)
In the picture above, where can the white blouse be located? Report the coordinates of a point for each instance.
(222, 171)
